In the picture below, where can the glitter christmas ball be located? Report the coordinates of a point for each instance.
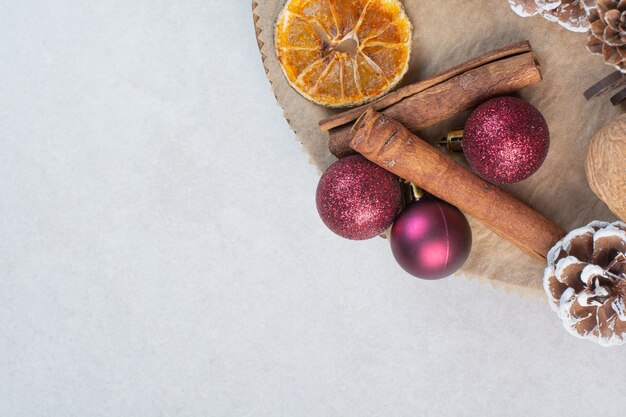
(357, 199)
(431, 239)
(505, 140)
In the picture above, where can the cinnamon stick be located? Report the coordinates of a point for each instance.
(619, 97)
(387, 143)
(452, 96)
(608, 83)
(401, 93)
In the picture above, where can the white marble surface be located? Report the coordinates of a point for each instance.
(161, 255)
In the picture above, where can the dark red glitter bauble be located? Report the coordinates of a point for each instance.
(357, 199)
(505, 140)
(431, 239)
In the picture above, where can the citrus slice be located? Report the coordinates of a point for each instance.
(340, 53)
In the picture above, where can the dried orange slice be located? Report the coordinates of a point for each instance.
(340, 53)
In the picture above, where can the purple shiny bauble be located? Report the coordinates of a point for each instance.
(357, 199)
(505, 140)
(431, 239)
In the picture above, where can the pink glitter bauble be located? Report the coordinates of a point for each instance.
(357, 199)
(505, 140)
(431, 239)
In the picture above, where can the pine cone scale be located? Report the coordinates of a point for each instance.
(570, 269)
(597, 29)
(594, 45)
(607, 247)
(619, 268)
(612, 18)
(610, 55)
(581, 245)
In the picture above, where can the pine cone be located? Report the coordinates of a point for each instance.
(607, 36)
(571, 14)
(586, 282)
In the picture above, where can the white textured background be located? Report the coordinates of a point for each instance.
(161, 255)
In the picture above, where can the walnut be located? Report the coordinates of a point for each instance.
(585, 281)
(606, 165)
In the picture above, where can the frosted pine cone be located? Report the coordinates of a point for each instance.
(607, 36)
(586, 282)
(571, 14)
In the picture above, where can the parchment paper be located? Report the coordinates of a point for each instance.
(447, 33)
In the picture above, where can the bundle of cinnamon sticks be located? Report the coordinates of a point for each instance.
(382, 134)
(431, 101)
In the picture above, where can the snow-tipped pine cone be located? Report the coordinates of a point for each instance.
(585, 281)
(607, 36)
(571, 14)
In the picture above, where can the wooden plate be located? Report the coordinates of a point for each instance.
(559, 189)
